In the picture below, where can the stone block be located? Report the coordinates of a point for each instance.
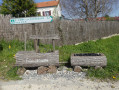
(21, 71)
(42, 70)
(77, 69)
(52, 69)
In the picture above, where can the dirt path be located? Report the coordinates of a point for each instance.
(62, 80)
(59, 84)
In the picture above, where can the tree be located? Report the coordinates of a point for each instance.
(18, 8)
(87, 8)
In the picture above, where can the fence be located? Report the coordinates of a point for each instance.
(70, 32)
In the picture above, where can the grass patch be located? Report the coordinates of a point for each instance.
(7, 52)
(11, 74)
(45, 48)
(9, 49)
(109, 47)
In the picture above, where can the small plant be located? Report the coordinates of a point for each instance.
(69, 69)
(12, 73)
(7, 60)
(9, 46)
(45, 48)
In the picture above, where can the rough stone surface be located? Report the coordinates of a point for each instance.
(64, 73)
(21, 71)
(98, 67)
(52, 69)
(77, 69)
(42, 70)
(58, 81)
(69, 75)
(62, 68)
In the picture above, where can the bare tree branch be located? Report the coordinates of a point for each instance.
(87, 8)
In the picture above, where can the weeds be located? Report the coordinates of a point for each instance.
(7, 61)
(109, 47)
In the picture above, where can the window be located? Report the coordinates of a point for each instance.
(46, 13)
(38, 13)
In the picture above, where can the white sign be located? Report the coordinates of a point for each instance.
(31, 20)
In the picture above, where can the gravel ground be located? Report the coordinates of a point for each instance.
(68, 75)
(62, 80)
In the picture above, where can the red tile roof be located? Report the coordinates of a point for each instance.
(47, 4)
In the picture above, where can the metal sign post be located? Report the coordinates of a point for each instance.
(31, 58)
(32, 20)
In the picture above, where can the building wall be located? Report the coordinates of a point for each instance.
(55, 11)
(59, 10)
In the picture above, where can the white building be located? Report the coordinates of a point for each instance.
(50, 8)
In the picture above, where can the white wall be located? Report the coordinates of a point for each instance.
(55, 11)
(58, 11)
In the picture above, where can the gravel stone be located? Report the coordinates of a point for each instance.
(52, 69)
(68, 75)
(42, 70)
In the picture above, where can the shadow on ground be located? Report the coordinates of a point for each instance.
(1, 48)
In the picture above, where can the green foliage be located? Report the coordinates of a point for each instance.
(109, 47)
(12, 75)
(45, 48)
(107, 16)
(7, 57)
(18, 8)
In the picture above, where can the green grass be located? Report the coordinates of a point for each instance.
(109, 47)
(7, 61)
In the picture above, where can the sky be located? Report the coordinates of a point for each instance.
(114, 13)
(35, 1)
(41, 0)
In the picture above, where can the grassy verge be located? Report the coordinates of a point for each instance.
(110, 47)
(7, 52)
